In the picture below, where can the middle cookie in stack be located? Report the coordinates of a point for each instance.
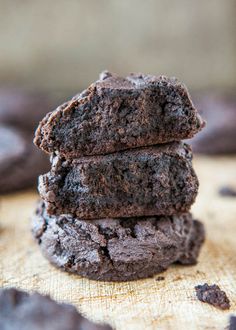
(116, 201)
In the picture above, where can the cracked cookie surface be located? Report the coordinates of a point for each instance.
(117, 250)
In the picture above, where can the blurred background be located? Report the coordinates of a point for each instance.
(51, 50)
(65, 44)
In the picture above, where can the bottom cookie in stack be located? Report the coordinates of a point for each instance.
(119, 249)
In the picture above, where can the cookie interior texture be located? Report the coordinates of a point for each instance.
(145, 181)
(117, 113)
(22, 311)
(118, 249)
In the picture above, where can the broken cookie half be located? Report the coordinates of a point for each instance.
(116, 113)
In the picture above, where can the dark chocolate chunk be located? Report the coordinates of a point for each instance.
(145, 181)
(117, 113)
(212, 295)
(20, 161)
(118, 249)
(22, 311)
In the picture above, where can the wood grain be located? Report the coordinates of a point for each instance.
(144, 304)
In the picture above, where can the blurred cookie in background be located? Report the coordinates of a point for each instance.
(20, 310)
(20, 161)
(24, 109)
(219, 135)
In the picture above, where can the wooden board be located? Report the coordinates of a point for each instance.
(144, 304)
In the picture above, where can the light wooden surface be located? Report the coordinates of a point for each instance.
(144, 304)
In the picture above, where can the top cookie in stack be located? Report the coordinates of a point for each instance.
(117, 156)
(115, 114)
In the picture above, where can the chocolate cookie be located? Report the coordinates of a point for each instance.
(23, 110)
(220, 134)
(147, 181)
(22, 311)
(117, 113)
(20, 161)
(118, 249)
(20, 112)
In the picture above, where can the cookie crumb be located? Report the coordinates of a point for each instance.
(227, 191)
(199, 272)
(212, 295)
(160, 278)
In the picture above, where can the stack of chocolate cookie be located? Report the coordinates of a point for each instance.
(115, 205)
